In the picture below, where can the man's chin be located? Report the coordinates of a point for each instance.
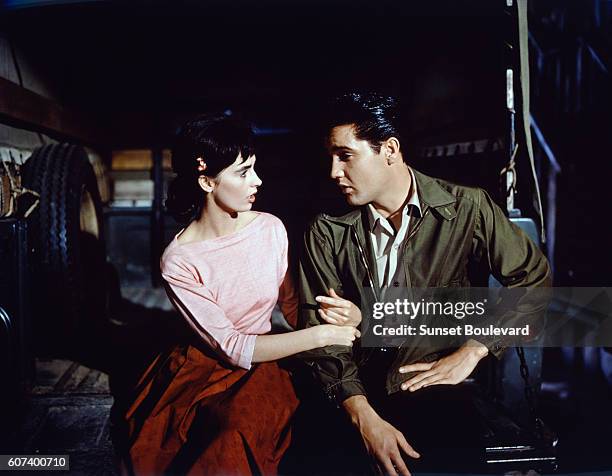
(354, 200)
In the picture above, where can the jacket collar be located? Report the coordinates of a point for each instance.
(431, 194)
(430, 191)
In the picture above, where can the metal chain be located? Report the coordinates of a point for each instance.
(529, 392)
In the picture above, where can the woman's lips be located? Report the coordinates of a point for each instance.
(251, 198)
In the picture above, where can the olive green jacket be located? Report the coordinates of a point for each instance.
(460, 238)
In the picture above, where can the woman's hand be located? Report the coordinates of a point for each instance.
(329, 334)
(338, 311)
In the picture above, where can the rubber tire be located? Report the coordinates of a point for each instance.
(69, 261)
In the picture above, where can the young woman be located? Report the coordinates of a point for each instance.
(220, 404)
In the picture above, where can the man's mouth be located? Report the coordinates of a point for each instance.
(346, 189)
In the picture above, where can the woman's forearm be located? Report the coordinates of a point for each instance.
(274, 347)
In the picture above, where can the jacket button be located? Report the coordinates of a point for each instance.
(396, 284)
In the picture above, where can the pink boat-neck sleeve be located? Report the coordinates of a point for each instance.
(195, 301)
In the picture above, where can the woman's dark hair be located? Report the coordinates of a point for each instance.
(217, 139)
(374, 116)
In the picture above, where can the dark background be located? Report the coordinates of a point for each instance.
(138, 69)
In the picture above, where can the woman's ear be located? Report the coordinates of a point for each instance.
(392, 150)
(206, 183)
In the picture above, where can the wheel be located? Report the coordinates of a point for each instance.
(68, 246)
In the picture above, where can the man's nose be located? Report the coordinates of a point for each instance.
(337, 171)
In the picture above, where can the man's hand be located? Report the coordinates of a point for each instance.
(449, 370)
(338, 311)
(384, 442)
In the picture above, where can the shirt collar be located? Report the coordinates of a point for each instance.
(375, 217)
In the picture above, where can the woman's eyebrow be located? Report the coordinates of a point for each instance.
(244, 167)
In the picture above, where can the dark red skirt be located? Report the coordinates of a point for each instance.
(193, 415)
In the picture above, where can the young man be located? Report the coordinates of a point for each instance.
(408, 231)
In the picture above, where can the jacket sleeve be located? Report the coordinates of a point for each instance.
(334, 366)
(513, 259)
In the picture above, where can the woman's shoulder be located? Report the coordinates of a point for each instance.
(267, 219)
(170, 256)
(262, 223)
(173, 257)
(273, 224)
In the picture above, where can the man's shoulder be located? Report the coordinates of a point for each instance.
(435, 189)
(325, 221)
(328, 226)
(339, 220)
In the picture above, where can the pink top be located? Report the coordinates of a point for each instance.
(227, 287)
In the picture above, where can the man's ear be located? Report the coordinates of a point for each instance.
(206, 183)
(391, 149)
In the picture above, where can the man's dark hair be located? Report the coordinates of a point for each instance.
(375, 117)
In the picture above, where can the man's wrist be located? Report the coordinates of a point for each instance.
(357, 408)
(475, 349)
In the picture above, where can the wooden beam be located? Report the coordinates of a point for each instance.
(25, 109)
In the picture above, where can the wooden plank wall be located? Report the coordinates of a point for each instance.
(28, 102)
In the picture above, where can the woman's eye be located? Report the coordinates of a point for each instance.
(244, 174)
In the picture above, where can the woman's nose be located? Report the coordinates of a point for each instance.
(257, 182)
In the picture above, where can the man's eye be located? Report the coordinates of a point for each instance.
(344, 157)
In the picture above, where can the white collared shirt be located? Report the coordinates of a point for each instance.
(387, 244)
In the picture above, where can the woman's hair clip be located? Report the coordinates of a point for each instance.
(201, 164)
